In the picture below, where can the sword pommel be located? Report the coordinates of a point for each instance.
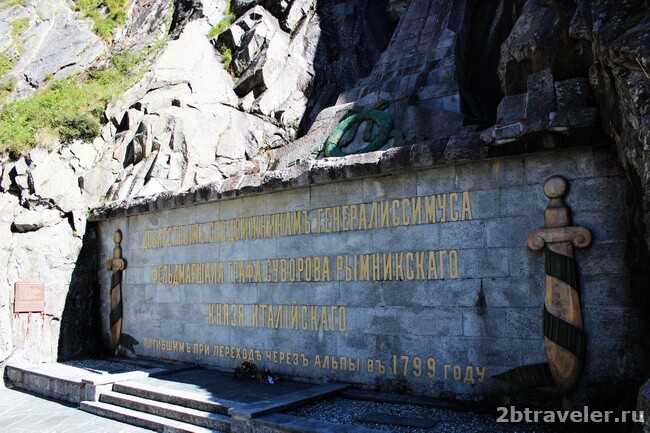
(117, 263)
(557, 213)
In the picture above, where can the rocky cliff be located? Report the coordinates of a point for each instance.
(250, 86)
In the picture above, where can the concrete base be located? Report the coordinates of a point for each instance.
(74, 384)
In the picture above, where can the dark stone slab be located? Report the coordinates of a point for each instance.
(571, 94)
(541, 95)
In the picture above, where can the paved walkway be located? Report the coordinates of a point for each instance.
(26, 413)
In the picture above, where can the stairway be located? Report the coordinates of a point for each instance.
(159, 410)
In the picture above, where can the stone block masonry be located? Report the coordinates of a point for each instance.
(359, 270)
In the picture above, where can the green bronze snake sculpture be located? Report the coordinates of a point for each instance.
(379, 129)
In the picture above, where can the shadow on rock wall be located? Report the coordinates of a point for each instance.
(354, 34)
(80, 335)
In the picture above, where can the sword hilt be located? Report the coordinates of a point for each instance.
(558, 219)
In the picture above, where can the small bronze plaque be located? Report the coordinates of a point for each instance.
(29, 297)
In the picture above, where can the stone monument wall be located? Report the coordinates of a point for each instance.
(348, 270)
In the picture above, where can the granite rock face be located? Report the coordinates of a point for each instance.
(45, 40)
(36, 245)
(614, 38)
(180, 125)
(146, 23)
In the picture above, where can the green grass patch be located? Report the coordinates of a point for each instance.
(70, 108)
(4, 4)
(225, 22)
(18, 28)
(81, 126)
(226, 56)
(5, 89)
(106, 14)
(5, 64)
(9, 86)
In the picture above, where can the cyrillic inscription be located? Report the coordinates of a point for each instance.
(431, 209)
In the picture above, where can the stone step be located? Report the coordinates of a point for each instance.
(168, 410)
(57, 384)
(141, 419)
(75, 384)
(178, 398)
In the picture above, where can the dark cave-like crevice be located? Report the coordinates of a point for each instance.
(487, 26)
(637, 255)
(354, 34)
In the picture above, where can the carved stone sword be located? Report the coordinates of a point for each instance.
(122, 343)
(563, 328)
(116, 265)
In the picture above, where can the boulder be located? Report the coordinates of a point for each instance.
(53, 179)
(84, 152)
(548, 106)
(239, 7)
(97, 181)
(232, 37)
(158, 99)
(259, 27)
(537, 42)
(541, 96)
(141, 145)
(298, 10)
(5, 178)
(32, 220)
(185, 11)
(278, 8)
(207, 173)
(19, 174)
(182, 117)
(35, 156)
(156, 186)
(177, 167)
(145, 24)
(512, 108)
(192, 59)
(614, 36)
(9, 208)
(274, 67)
(571, 94)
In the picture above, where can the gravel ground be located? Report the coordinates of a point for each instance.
(346, 411)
